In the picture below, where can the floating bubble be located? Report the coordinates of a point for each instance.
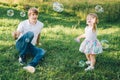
(22, 14)
(10, 12)
(27, 40)
(99, 9)
(81, 63)
(105, 44)
(58, 7)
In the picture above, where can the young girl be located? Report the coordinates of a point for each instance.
(90, 46)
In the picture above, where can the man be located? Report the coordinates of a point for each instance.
(27, 36)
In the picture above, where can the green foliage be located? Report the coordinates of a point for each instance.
(62, 52)
(73, 8)
(112, 12)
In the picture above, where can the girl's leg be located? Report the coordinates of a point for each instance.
(88, 57)
(92, 63)
(93, 60)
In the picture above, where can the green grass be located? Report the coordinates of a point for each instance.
(61, 59)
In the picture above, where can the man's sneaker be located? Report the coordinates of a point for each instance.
(88, 62)
(89, 68)
(21, 61)
(29, 68)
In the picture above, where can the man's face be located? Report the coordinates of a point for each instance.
(33, 17)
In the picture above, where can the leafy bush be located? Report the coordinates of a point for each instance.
(73, 8)
(112, 12)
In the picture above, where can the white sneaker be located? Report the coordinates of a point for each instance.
(88, 62)
(21, 61)
(89, 68)
(29, 68)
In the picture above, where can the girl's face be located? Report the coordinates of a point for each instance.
(90, 20)
(33, 17)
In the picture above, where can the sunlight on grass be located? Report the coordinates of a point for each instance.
(61, 33)
(81, 13)
(62, 52)
(58, 29)
(5, 22)
(108, 30)
(6, 43)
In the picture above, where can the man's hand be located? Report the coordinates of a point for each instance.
(15, 34)
(39, 44)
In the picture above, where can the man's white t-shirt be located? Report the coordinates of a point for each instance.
(25, 26)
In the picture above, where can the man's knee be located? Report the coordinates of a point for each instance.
(30, 34)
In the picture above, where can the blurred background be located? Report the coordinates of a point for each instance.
(78, 8)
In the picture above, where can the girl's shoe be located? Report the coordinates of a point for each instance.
(89, 68)
(88, 62)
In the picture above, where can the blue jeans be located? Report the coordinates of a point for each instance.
(24, 46)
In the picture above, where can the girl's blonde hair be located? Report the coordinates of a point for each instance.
(96, 20)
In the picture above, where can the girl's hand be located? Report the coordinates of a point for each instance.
(77, 39)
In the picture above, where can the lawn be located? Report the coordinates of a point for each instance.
(61, 61)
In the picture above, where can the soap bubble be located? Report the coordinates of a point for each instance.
(58, 7)
(27, 40)
(105, 44)
(99, 9)
(10, 12)
(22, 14)
(81, 63)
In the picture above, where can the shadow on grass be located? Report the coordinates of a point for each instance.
(3, 12)
(47, 19)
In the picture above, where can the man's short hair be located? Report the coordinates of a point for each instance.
(32, 10)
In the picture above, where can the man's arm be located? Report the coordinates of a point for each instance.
(38, 38)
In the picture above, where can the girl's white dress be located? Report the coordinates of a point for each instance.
(91, 44)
